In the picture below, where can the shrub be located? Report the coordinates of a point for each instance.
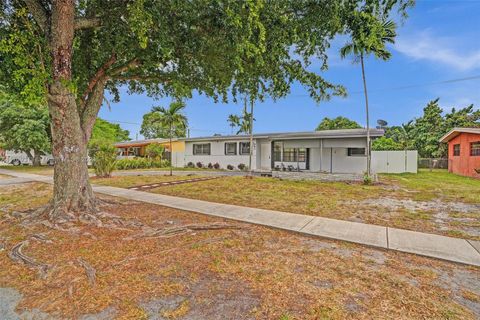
(210, 166)
(230, 167)
(367, 180)
(104, 156)
(190, 165)
(216, 166)
(154, 151)
(140, 163)
(242, 167)
(199, 165)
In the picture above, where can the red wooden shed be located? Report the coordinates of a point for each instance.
(463, 151)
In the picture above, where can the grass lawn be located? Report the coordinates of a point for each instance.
(129, 181)
(435, 202)
(250, 272)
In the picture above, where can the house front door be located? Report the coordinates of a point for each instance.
(265, 162)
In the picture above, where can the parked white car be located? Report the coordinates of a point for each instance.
(19, 158)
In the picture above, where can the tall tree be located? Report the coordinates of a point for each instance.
(337, 123)
(173, 119)
(152, 127)
(369, 36)
(107, 131)
(67, 53)
(233, 121)
(24, 128)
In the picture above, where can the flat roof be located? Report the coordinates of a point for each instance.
(144, 142)
(456, 131)
(323, 134)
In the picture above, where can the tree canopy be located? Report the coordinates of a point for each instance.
(24, 127)
(337, 123)
(107, 131)
(423, 133)
(153, 127)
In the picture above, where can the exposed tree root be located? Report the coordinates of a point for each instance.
(17, 255)
(149, 232)
(89, 270)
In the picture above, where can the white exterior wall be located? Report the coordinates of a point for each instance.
(336, 160)
(217, 154)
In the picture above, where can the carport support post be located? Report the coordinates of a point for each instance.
(321, 154)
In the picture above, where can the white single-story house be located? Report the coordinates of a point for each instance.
(330, 151)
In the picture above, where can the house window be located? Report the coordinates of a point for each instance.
(277, 151)
(475, 148)
(201, 149)
(294, 154)
(231, 148)
(244, 147)
(456, 150)
(355, 152)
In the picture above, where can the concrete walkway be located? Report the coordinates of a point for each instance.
(429, 245)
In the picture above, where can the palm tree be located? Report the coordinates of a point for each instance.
(234, 121)
(173, 119)
(369, 36)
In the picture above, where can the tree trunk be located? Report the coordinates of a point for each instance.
(368, 117)
(37, 158)
(73, 197)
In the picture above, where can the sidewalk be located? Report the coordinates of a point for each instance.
(429, 245)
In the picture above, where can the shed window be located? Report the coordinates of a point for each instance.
(201, 149)
(456, 150)
(244, 147)
(355, 152)
(231, 148)
(475, 148)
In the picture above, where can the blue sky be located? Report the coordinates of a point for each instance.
(439, 41)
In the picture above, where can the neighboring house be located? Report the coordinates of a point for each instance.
(463, 151)
(136, 148)
(331, 151)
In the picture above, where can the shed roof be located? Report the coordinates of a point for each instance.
(456, 131)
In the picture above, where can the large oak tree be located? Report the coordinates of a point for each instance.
(69, 52)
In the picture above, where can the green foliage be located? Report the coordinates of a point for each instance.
(104, 156)
(384, 143)
(337, 123)
(141, 163)
(155, 151)
(172, 48)
(423, 133)
(107, 131)
(367, 179)
(155, 126)
(370, 34)
(171, 120)
(24, 127)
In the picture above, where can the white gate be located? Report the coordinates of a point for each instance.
(394, 161)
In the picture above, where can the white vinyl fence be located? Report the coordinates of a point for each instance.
(394, 161)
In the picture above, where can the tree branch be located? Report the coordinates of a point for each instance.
(135, 77)
(39, 13)
(86, 23)
(125, 67)
(100, 74)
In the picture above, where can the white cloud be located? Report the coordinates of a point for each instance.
(447, 51)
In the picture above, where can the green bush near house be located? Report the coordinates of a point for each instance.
(141, 163)
(104, 157)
